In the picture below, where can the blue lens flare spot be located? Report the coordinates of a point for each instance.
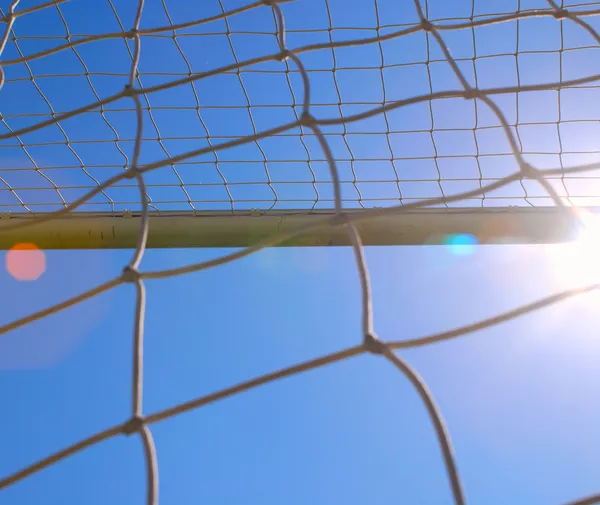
(462, 244)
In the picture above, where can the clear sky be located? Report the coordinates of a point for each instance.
(520, 399)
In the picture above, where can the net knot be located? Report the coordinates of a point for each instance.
(135, 424)
(427, 25)
(307, 119)
(130, 274)
(561, 13)
(131, 173)
(471, 94)
(373, 344)
(528, 170)
(131, 34)
(128, 90)
(284, 55)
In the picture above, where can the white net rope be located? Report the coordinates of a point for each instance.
(552, 180)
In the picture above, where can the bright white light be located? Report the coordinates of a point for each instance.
(578, 262)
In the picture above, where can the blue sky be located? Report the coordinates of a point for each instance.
(518, 398)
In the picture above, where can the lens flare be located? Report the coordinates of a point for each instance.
(462, 244)
(25, 262)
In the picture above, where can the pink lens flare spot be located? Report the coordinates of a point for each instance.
(25, 262)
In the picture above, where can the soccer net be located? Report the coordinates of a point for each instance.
(289, 123)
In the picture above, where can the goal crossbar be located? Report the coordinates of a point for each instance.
(244, 228)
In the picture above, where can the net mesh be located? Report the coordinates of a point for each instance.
(364, 125)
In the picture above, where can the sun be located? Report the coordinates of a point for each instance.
(577, 263)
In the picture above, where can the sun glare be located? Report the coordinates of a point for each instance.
(578, 262)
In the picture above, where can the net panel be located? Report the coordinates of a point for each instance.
(290, 105)
(422, 150)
